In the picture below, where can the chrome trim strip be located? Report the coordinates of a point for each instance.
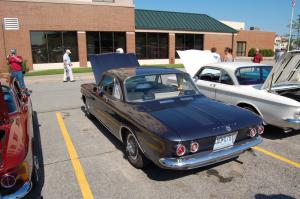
(20, 193)
(293, 121)
(206, 158)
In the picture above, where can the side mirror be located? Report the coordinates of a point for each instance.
(195, 78)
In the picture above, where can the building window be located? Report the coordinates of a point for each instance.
(49, 47)
(241, 48)
(152, 45)
(105, 42)
(188, 41)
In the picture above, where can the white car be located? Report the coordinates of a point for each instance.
(274, 94)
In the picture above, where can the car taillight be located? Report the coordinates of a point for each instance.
(8, 181)
(194, 147)
(252, 132)
(180, 151)
(261, 129)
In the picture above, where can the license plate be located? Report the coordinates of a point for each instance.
(225, 141)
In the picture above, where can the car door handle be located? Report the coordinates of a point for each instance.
(212, 85)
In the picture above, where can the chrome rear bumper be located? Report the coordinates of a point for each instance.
(206, 158)
(20, 193)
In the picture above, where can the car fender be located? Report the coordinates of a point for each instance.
(122, 128)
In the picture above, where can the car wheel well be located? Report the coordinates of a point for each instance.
(124, 133)
(83, 99)
(249, 107)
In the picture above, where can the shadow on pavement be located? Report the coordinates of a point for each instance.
(153, 171)
(279, 196)
(36, 192)
(106, 132)
(275, 133)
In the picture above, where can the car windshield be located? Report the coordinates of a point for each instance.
(252, 75)
(9, 99)
(159, 86)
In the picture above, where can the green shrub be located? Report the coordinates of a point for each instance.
(264, 52)
(251, 52)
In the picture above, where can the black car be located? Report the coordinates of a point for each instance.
(160, 115)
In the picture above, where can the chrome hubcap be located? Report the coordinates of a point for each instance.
(87, 108)
(132, 147)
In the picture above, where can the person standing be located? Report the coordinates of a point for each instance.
(68, 73)
(228, 55)
(16, 68)
(215, 54)
(257, 57)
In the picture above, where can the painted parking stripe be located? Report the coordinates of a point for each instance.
(81, 178)
(278, 157)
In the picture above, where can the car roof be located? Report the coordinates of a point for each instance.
(6, 79)
(234, 65)
(124, 73)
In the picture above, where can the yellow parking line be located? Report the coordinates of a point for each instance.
(81, 178)
(278, 157)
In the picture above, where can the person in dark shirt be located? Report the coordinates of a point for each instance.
(16, 69)
(257, 57)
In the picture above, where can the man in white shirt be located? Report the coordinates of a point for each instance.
(68, 73)
(215, 54)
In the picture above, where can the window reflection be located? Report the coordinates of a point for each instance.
(188, 41)
(152, 45)
(48, 47)
(105, 42)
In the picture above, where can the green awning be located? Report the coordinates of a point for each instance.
(177, 21)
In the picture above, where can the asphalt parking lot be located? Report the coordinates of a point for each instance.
(74, 147)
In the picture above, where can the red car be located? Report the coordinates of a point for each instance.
(18, 164)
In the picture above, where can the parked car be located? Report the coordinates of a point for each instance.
(18, 164)
(274, 94)
(171, 124)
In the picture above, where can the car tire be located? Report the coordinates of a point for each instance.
(133, 152)
(87, 110)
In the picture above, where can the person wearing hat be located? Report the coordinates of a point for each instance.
(16, 69)
(67, 66)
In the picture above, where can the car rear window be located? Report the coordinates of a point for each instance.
(252, 75)
(158, 87)
(9, 99)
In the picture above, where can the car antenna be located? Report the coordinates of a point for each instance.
(271, 84)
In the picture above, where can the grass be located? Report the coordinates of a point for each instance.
(88, 70)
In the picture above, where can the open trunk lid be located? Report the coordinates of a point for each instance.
(193, 60)
(105, 62)
(286, 72)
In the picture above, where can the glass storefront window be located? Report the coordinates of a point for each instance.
(105, 42)
(188, 41)
(141, 45)
(70, 43)
(152, 45)
(39, 47)
(55, 48)
(49, 47)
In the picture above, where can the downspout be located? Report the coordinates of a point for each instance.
(232, 43)
(3, 36)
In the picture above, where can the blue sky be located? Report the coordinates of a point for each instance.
(269, 15)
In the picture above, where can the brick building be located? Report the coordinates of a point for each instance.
(42, 29)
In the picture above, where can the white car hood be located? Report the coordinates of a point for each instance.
(193, 60)
(286, 72)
